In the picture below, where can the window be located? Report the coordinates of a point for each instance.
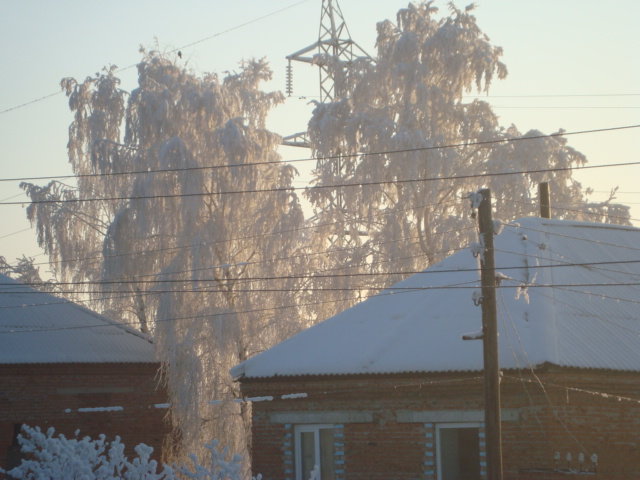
(458, 451)
(314, 449)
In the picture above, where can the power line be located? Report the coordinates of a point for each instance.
(596, 265)
(188, 45)
(584, 211)
(557, 95)
(149, 293)
(288, 231)
(30, 102)
(535, 375)
(394, 291)
(519, 371)
(555, 107)
(608, 396)
(462, 286)
(315, 276)
(287, 258)
(260, 235)
(302, 255)
(589, 240)
(191, 317)
(389, 291)
(15, 233)
(172, 319)
(332, 157)
(335, 186)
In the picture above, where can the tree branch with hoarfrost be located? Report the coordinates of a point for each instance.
(190, 139)
(411, 102)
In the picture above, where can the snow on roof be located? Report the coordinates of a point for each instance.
(417, 325)
(36, 327)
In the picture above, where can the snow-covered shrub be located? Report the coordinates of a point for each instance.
(53, 457)
(56, 457)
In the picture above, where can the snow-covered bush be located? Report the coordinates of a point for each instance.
(56, 457)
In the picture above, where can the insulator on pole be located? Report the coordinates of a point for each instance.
(289, 79)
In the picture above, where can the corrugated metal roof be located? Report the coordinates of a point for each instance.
(36, 327)
(577, 312)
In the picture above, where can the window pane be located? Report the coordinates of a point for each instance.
(459, 454)
(327, 460)
(307, 453)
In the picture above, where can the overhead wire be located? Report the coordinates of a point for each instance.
(208, 315)
(531, 368)
(560, 263)
(100, 256)
(390, 291)
(584, 211)
(461, 286)
(149, 251)
(349, 155)
(15, 233)
(149, 293)
(532, 404)
(597, 266)
(585, 311)
(575, 107)
(344, 275)
(604, 395)
(584, 239)
(175, 50)
(409, 272)
(556, 263)
(617, 192)
(317, 187)
(556, 95)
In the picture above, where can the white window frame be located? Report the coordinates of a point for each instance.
(315, 428)
(442, 426)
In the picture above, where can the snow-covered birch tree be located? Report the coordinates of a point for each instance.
(411, 103)
(173, 246)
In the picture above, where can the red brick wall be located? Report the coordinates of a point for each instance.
(383, 451)
(556, 418)
(49, 395)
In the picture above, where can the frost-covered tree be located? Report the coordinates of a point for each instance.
(25, 271)
(410, 102)
(174, 246)
(56, 457)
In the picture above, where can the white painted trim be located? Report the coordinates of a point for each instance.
(315, 429)
(321, 417)
(83, 390)
(445, 416)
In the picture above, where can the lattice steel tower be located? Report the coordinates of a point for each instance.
(336, 56)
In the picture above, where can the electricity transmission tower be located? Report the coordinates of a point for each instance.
(335, 54)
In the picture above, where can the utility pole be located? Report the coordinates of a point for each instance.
(490, 341)
(545, 200)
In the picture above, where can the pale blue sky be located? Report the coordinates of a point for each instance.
(552, 47)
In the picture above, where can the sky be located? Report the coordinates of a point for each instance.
(573, 64)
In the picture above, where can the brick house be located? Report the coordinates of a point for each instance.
(388, 389)
(64, 366)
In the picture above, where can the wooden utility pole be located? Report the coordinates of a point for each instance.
(490, 342)
(545, 200)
